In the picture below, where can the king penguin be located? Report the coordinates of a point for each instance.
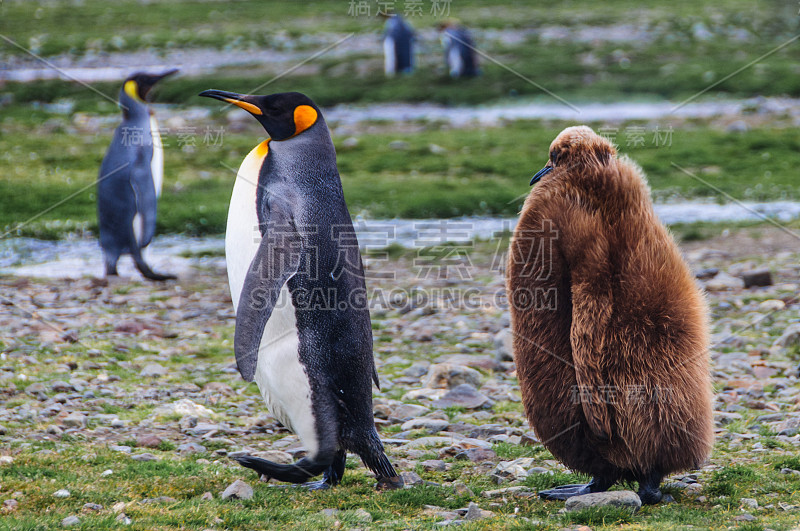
(130, 178)
(459, 50)
(303, 330)
(398, 43)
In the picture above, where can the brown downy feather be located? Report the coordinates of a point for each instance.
(610, 329)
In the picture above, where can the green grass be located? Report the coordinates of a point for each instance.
(485, 171)
(675, 61)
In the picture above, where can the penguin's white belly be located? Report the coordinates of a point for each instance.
(280, 376)
(389, 56)
(157, 162)
(456, 64)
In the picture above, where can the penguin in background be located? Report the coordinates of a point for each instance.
(398, 46)
(303, 329)
(459, 50)
(130, 179)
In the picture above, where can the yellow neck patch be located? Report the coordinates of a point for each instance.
(262, 149)
(304, 117)
(249, 107)
(132, 90)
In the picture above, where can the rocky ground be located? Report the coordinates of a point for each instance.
(120, 404)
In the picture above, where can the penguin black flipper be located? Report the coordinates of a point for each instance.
(277, 259)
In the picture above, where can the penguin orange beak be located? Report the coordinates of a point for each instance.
(541, 173)
(240, 100)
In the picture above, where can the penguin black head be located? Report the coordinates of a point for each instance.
(577, 146)
(138, 85)
(283, 115)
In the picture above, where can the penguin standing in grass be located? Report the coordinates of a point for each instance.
(610, 328)
(130, 179)
(459, 50)
(303, 329)
(398, 46)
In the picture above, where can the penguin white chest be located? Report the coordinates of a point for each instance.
(389, 56)
(281, 377)
(157, 162)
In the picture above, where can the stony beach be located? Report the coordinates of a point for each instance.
(121, 401)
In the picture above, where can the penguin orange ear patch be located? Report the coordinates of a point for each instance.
(304, 117)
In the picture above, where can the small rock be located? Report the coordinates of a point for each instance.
(120, 448)
(6, 459)
(106, 473)
(446, 375)
(330, 513)
(147, 456)
(191, 448)
(724, 282)
(477, 455)
(154, 370)
(790, 336)
(61, 493)
(417, 370)
(75, 420)
(92, 507)
(123, 519)
(705, 274)
(504, 345)
(362, 515)
(746, 517)
(350, 142)
(757, 278)
(9, 506)
(436, 149)
(238, 490)
(148, 441)
(411, 479)
(750, 503)
(515, 491)
(184, 407)
(432, 425)
(70, 521)
(207, 496)
(461, 489)
(619, 498)
(399, 145)
(435, 465)
(406, 412)
(476, 513)
(463, 395)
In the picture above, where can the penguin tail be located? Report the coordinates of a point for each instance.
(298, 472)
(375, 459)
(144, 269)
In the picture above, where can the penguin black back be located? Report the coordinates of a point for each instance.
(303, 330)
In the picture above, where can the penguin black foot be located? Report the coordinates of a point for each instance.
(568, 491)
(299, 472)
(649, 492)
(564, 491)
(148, 273)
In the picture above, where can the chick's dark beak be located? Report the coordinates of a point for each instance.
(541, 173)
(240, 100)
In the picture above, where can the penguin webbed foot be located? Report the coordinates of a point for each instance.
(562, 493)
(300, 472)
(649, 491)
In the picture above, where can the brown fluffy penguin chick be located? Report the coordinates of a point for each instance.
(610, 329)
